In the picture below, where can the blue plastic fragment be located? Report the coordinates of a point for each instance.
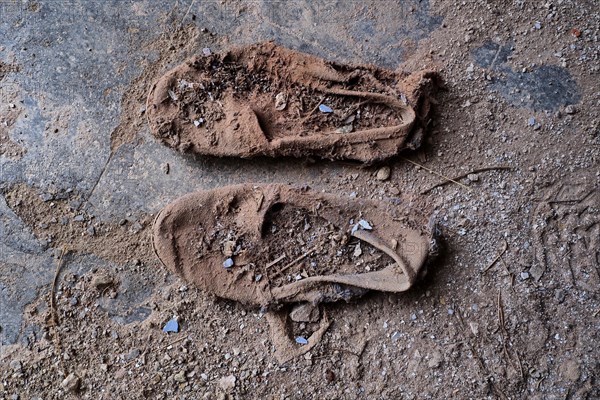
(171, 326)
(228, 263)
(362, 224)
(325, 109)
(301, 340)
(365, 224)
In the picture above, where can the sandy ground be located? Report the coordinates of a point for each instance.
(510, 308)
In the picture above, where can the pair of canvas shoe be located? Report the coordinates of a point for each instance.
(265, 100)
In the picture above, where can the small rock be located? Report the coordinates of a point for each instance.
(133, 354)
(329, 375)
(206, 51)
(228, 263)
(305, 312)
(15, 365)
(345, 129)
(325, 109)
(531, 121)
(70, 383)
(165, 168)
(473, 177)
(383, 174)
(280, 101)
(227, 382)
(91, 230)
(436, 360)
(180, 377)
(136, 227)
(102, 281)
(395, 336)
(524, 275)
(470, 68)
(79, 218)
(229, 248)
(571, 109)
(357, 251)
(537, 25)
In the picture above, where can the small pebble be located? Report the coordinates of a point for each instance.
(531, 121)
(570, 109)
(524, 275)
(227, 382)
(383, 174)
(395, 336)
(206, 51)
(180, 377)
(70, 383)
(473, 177)
(15, 365)
(228, 263)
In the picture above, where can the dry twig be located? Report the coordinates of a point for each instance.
(437, 173)
(475, 171)
(499, 256)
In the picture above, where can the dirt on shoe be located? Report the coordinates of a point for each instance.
(271, 244)
(266, 100)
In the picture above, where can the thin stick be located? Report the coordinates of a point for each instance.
(296, 260)
(176, 341)
(275, 261)
(54, 310)
(464, 175)
(312, 111)
(497, 258)
(187, 12)
(437, 173)
(500, 312)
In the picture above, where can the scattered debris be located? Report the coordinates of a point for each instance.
(301, 340)
(171, 326)
(280, 101)
(325, 109)
(362, 224)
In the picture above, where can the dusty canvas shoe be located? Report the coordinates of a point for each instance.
(271, 244)
(265, 100)
(268, 245)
